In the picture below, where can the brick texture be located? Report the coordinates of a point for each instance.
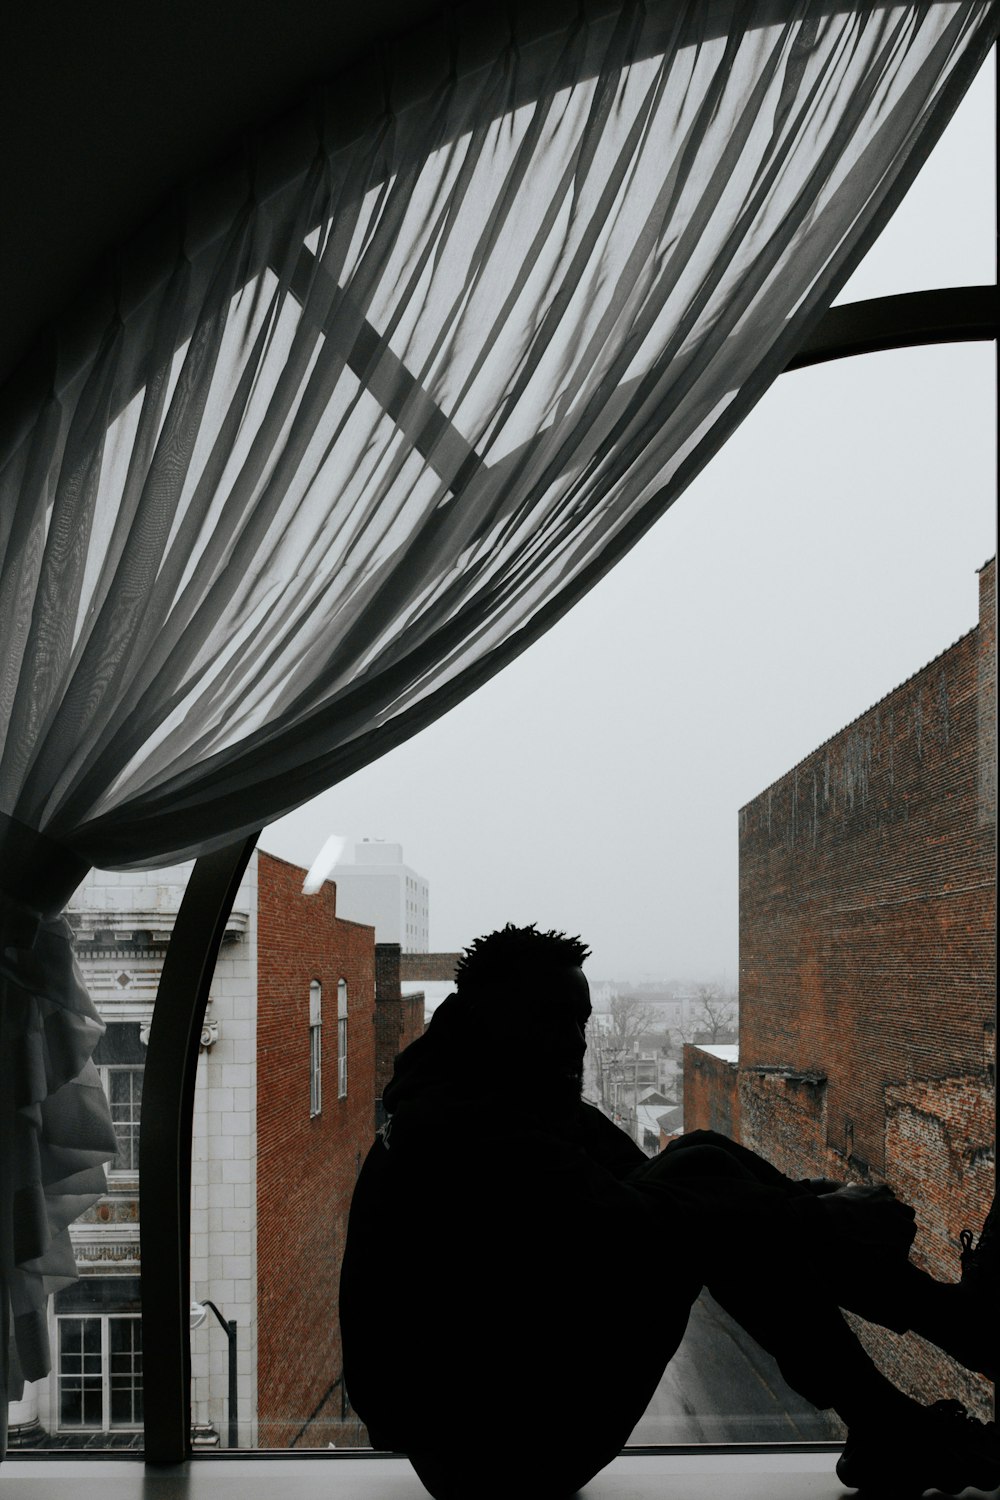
(399, 1018)
(868, 964)
(422, 968)
(306, 1166)
(711, 1093)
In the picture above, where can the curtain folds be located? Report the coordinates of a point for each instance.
(353, 438)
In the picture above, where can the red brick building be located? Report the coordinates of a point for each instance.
(868, 962)
(711, 1089)
(399, 1018)
(315, 1122)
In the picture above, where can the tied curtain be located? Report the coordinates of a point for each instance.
(360, 416)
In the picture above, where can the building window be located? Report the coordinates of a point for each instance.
(123, 1087)
(315, 1047)
(120, 1058)
(100, 1372)
(342, 1039)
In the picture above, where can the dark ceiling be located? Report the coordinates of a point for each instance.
(105, 105)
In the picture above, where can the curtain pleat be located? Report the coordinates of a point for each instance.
(364, 427)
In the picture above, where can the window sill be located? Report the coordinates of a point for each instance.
(696, 1476)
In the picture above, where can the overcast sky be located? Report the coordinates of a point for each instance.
(828, 551)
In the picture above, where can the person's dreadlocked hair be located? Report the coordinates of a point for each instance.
(514, 953)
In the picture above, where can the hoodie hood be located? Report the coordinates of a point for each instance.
(461, 1060)
(451, 1057)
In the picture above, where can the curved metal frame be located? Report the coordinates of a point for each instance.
(165, 1148)
(947, 315)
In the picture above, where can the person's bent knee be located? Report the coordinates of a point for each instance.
(693, 1138)
(701, 1162)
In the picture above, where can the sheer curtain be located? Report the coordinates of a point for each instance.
(361, 416)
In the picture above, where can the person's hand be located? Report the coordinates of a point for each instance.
(870, 1216)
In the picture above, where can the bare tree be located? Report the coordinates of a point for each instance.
(715, 1013)
(631, 1018)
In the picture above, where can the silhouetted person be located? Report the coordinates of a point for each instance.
(518, 1273)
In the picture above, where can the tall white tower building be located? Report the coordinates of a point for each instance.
(377, 888)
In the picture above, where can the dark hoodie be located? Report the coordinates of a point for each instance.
(493, 1254)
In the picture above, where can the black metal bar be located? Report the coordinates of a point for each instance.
(234, 1438)
(165, 1148)
(229, 1324)
(947, 315)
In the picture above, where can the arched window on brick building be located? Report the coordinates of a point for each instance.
(342, 1039)
(315, 1047)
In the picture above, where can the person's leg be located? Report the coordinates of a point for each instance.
(757, 1246)
(873, 1274)
(751, 1161)
(765, 1254)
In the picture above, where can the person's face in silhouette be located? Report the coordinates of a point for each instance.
(559, 1019)
(540, 1019)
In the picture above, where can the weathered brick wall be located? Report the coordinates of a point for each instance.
(399, 1018)
(930, 1126)
(388, 1005)
(783, 1116)
(711, 1093)
(422, 968)
(411, 1019)
(306, 1167)
(868, 966)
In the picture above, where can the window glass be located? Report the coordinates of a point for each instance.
(123, 1086)
(826, 557)
(315, 1047)
(100, 1372)
(125, 1372)
(94, 1396)
(342, 1039)
(81, 1373)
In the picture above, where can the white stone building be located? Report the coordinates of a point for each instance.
(123, 924)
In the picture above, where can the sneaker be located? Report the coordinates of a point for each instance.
(946, 1450)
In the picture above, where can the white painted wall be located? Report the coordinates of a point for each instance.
(224, 1166)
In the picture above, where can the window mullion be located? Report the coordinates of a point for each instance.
(165, 1147)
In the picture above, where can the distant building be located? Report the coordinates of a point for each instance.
(868, 965)
(649, 1112)
(304, 1017)
(675, 1007)
(377, 887)
(670, 1125)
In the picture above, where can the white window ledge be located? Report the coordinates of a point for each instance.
(710, 1476)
